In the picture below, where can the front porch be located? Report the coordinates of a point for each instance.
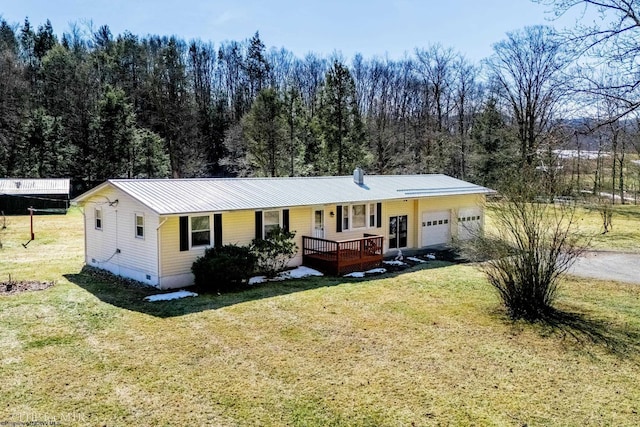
(342, 257)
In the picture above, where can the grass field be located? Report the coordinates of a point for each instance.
(430, 346)
(624, 235)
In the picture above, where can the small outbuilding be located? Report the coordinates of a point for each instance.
(17, 195)
(153, 230)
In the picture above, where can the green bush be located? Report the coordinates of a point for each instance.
(225, 268)
(275, 251)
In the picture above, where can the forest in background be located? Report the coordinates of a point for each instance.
(91, 105)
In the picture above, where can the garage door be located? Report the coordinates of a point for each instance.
(469, 221)
(436, 228)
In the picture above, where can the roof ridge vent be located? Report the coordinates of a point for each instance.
(358, 176)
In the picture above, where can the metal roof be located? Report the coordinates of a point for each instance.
(182, 196)
(27, 186)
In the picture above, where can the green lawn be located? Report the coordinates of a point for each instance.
(624, 235)
(430, 346)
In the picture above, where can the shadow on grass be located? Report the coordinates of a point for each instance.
(130, 295)
(620, 340)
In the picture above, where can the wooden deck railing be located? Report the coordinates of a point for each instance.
(341, 257)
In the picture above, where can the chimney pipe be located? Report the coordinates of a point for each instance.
(358, 176)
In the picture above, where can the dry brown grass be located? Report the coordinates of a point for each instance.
(427, 347)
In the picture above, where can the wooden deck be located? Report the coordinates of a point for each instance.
(342, 257)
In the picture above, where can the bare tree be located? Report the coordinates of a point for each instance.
(467, 101)
(527, 69)
(435, 67)
(611, 41)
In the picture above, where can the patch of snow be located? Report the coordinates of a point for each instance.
(170, 296)
(300, 272)
(583, 154)
(616, 197)
(414, 259)
(430, 256)
(355, 274)
(296, 273)
(394, 262)
(360, 274)
(257, 279)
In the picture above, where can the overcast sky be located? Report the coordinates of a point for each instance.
(371, 27)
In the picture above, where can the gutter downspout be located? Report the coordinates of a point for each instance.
(159, 248)
(84, 226)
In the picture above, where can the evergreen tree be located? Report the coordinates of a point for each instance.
(38, 151)
(340, 122)
(44, 40)
(264, 129)
(14, 92)
(294, 117)
(496, 158)
(256, 65)
(113, 136)
(149, 159)
(8, 41)
(171, 110)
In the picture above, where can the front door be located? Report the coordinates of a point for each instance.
(398, 230)
(318, 224)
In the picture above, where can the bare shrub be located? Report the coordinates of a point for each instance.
(528, 249)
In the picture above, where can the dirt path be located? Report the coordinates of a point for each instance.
(621, 267)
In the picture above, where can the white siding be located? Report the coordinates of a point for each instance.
(115, 248)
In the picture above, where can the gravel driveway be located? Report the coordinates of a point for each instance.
(621, 267)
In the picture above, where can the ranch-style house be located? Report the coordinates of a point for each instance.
(152, 230)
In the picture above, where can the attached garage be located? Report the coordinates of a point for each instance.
(469, 222)
(436, 228)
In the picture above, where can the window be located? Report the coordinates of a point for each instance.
(98, 217)
(372, 215)
(359, 216)
(271, 221)
(200, 231)
(345, 217)
(355, 216)
(139, 226)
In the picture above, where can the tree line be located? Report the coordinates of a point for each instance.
(91, 105)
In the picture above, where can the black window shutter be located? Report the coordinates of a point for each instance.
(259, 225)
(285, 220)
(217, 230)
(379, 214)
(184, 233)
(339, 218)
